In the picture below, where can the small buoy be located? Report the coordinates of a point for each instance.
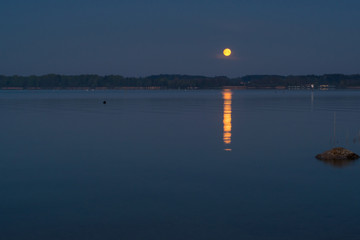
(104, 102)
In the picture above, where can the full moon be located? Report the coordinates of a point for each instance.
(227, 52)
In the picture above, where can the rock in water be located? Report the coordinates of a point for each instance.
(337, 154)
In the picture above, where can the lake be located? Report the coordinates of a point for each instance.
(211, 164)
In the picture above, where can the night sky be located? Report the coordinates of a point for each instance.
(141, 38)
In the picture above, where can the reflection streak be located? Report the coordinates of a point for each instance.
(227, 96)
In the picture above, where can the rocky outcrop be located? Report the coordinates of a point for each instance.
(338, 156)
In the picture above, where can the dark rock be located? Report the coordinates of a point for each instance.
(338, 157)
(338, 154)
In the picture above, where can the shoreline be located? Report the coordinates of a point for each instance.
(164, 88)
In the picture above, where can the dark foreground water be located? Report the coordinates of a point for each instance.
(178, 165)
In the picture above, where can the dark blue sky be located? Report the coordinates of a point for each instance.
(140, 38)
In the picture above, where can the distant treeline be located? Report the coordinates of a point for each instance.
(54, 81)
(304, 81)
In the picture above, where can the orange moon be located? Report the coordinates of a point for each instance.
(227, 52)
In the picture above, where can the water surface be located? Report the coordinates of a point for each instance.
(178, 165)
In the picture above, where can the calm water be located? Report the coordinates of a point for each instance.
(178, 165)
